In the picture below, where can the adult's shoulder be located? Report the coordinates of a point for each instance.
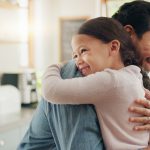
(69, 70)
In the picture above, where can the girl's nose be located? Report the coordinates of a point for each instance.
(79, 60)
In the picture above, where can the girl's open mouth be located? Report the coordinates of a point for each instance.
(85, 70)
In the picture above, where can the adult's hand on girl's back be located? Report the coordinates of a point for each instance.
(148, 148)
(144, 111)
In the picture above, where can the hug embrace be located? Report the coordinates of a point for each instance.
(109, 57)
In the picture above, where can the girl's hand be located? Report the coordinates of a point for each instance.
(144, 111)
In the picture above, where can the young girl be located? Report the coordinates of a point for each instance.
(104, 54)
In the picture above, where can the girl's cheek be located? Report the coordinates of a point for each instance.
(85, 58)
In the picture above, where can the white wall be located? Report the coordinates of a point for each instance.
(13, 39)
(47, 43)
(43, 33)
(11, 56)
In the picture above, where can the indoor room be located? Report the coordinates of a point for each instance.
(33, 35)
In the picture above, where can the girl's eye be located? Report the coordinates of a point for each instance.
(83, 50)
(74, 56)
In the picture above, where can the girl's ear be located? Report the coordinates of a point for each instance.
(114, 47)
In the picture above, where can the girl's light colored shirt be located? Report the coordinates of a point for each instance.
(112, 92)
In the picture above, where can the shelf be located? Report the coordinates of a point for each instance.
(8, 5)
(13, 42)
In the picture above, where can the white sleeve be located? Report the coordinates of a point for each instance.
(83, 90)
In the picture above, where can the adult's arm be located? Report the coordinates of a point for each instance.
(82, 90)
(143, 111)
(38, 135)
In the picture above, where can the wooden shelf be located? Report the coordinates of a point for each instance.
(7, 5)
(29, 41)
(13, 42)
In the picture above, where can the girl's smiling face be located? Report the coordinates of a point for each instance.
(90, 54)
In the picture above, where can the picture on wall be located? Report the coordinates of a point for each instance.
(68, 27)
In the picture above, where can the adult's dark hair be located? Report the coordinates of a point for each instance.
(108, 29)
(137, 14)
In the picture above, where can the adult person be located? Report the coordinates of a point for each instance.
(58, 127)
(139, 30)
(107, 59)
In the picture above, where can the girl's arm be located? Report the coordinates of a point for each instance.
(83, 90)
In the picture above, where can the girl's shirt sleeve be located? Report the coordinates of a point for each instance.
(83, 90)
